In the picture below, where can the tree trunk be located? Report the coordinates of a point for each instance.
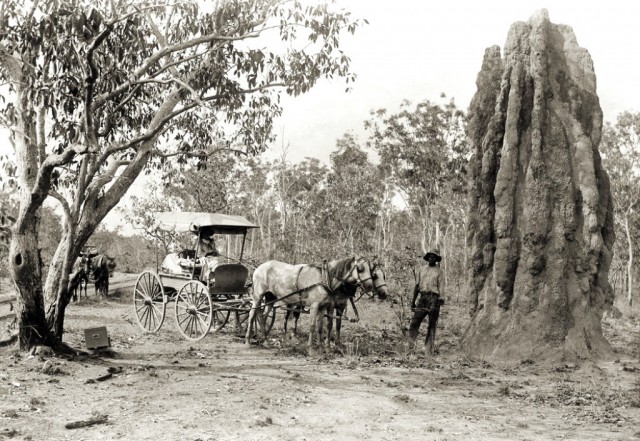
(57, 285)
(627, 231)
(24, 255)
(541, 214)
(26, 273)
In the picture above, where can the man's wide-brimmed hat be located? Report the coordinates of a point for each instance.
(433, 252)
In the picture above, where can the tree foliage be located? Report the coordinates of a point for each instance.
(99, 90)
(352, 195)
(424, 153)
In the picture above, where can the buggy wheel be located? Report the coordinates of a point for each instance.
(194, 310)
(149, 301)
(221, 312)
(242, 315)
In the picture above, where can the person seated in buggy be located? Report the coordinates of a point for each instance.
(211, 257)
(181, 263)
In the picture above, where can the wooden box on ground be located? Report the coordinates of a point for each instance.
(97, 338)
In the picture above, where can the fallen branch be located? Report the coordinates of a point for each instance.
(99, 419)
(101, 378)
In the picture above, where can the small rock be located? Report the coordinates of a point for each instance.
(9, 433)
(47, 367)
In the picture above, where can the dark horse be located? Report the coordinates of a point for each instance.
(346, 294)
(102, 266)
(79, 278)
(309, 285)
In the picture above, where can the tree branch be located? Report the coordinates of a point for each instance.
(164, 52)
(90, 81)
(198, 154)
(161, 125)
(63, 202)
(94, 187)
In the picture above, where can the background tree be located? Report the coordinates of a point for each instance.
(139, 214)
(99, 88)
(298, 188)
(424, 154)
(351, 198)
(621, 149)
(206, 186)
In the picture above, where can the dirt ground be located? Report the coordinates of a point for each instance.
(162, 387)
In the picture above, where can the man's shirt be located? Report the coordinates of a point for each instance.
(430, 279)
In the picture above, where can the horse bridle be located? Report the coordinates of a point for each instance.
(360, 281)
(373, 276)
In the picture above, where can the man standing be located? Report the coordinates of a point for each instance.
(428, 295)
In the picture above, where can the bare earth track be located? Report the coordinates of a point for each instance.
(162, 387)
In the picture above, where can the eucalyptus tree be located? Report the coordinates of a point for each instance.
(100, 89)
(351, 199)
(423, 153)
(621, 150)
(298, 189)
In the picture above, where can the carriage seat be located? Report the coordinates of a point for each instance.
(181, 263)
(229, 278)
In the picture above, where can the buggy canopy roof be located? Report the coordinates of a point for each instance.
(184, 221)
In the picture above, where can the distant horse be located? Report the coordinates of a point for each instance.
(309, 285)
(346, 294)
(79, 278)
(102, 267)
(341, 296)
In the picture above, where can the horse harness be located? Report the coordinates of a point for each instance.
(326, 279)
(326, 283)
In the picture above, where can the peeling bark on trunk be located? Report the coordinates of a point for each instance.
(627, 231)
(26, 273)
(540, 224)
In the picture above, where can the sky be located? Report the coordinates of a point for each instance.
(417, 49)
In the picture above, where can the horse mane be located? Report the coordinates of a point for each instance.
(343, 267)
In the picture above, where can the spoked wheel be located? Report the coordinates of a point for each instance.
(194, 310)
(149, 301)
(220, 312)
(242, 316)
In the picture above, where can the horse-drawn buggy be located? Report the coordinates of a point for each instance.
(204, 285)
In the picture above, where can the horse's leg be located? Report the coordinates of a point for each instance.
(252, 312)
(313, 323)
(320, 326)
(296, 316)
(286, 320)
(330, 311)
(339, 312)
(263, 320)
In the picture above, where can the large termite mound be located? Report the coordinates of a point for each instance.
(541, 230)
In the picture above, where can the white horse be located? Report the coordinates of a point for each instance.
(309, 285)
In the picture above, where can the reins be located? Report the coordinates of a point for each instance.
(327, 285)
